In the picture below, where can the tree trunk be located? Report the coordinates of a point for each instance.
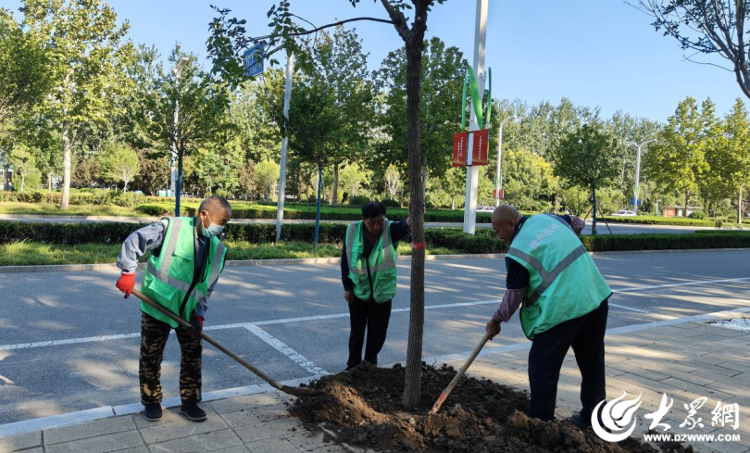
(453, 203)
(687, 199)
(593, 209)
(178, 185)
(65, 196)
(413, 379)
(317, 209)
(23, 181)
(335, 199)
(739, 207)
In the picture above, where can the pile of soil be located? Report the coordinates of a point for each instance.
(363, 407)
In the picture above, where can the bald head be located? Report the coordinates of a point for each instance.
(504, 212)
(504, 220)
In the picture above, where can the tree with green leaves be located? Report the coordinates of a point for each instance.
(201, 106)
(23, 163)
(119, 162)
(154, 174)
(25, 69)
(86, 50)
(266, 176)
(677, 160)
(529, 180)
(391, 179)
(586, 158)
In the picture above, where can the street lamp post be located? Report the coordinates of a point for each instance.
(499, 183)
(636, 192)
(176, 174)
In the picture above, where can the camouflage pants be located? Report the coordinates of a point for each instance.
(154, 335)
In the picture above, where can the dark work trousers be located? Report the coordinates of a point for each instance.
(154, 335)
(548, 350)
(370, 316)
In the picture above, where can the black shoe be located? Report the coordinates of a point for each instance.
(193, 412)
(152, 412)
(580, 422)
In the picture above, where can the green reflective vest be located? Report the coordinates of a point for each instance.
(564, 282)
(169, 276)
(374, 278)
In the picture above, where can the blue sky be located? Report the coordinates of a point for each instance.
(596, 52)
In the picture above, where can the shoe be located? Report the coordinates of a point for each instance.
(580, 422)
(152, 412)
(193, 412)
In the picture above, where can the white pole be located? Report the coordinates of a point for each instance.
(636, 191)
(284, 145)
(472, 171)
(499, 184)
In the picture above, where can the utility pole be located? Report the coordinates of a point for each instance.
(176, 185)
(284, 145)
(636, 191)
(472, 171)
(499, 184)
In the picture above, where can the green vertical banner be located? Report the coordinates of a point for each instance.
(470, 82)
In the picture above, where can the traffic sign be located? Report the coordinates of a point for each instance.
(640, 201)
(253, 59)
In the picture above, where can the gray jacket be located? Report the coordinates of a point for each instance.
(150, 238)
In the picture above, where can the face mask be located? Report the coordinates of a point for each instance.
(212, 230)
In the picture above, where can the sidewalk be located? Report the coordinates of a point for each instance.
(685, 358)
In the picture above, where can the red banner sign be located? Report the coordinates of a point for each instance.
(460, 144)
(479, 147)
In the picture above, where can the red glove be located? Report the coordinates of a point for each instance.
(126, 283)
(197, 322)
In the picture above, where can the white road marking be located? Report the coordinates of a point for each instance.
(293, 355)
(346, 315)
(629, 308)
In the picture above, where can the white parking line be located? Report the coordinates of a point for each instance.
(293, 355)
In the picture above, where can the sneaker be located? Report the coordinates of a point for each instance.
(152, 412)
(193, 412)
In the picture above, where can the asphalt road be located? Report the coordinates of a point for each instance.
(617, 228)
(291, 321)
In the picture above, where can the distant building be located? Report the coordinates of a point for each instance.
(676, 211)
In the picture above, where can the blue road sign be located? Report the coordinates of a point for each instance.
(640, 201)
(253, 59)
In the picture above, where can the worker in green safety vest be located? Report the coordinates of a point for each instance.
(368, 272)
(563, 299)
(186, 260)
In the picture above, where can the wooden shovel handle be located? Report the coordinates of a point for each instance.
(459, 375)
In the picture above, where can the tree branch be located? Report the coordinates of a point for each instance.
(398, 20)
(690, 59)
(314, 30)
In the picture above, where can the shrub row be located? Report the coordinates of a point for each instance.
(96, 198)
(302, 212)
(651, 220)
(332, 233)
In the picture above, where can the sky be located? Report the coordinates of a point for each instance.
(599, 53)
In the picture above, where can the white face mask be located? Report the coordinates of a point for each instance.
(212, 230)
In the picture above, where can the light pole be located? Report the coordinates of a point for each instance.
(638, 171)
(657, 208)
(176, 176)
(499, 183)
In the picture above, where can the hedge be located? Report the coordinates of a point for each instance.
(651, 220)
(332, 233)
(306, 212)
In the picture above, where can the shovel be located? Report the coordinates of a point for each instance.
(296, 391)
(459, 375)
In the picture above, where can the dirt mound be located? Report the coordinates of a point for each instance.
(363, 406)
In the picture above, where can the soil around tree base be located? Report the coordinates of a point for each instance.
(363, 407)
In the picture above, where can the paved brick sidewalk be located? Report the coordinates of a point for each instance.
(686, 359)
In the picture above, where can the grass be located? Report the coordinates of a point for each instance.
(8, 207)
(27, 253)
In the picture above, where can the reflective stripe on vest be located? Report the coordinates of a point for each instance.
(547, 277)
(389, 261)
(380, 285)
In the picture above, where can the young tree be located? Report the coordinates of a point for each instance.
(154, 174)
(226, 45)
(119, 162)
(85, 47)
(23, 163)
(586, 158)
(391, 181)
(266, 176)
(677, 159)
(200, 118)
(735, 155)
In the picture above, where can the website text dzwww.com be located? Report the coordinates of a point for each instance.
(691, 437)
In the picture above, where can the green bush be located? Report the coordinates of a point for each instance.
(358, 201)
(390, 203)
(652, 220)
(698, 215)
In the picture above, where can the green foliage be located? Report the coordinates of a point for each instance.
(266, 176)
(576, 200)
(677, 160)
(698, 215)
(528, 180)
(23, 165)
(358, 200)
(586, 157)
(119, 162)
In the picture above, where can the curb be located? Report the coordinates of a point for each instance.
(331, 260)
